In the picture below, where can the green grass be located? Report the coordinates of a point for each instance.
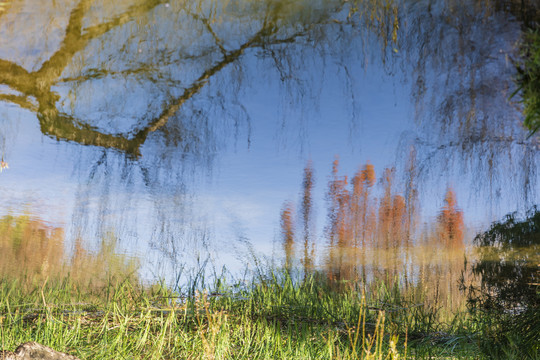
(271, 318)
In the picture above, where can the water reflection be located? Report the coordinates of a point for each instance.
(509, 264)
(151, 73)
(166, 95)
(358, 219)
(505, 297)
(463, 77)
(34, 251)
(370, 236)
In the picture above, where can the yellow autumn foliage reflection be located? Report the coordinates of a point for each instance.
(34, 251)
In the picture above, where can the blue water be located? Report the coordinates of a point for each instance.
(210, 183)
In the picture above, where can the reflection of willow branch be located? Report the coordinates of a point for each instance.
(39, 83)
(489, 158)
(231, 56)
(94, 74)
(217, 40)
(20, 100)
(474, 140)
(61, 126)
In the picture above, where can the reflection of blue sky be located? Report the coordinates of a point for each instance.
(37, 180)
(168, 198)
(255, 182)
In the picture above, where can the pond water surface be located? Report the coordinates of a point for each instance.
(166, 136)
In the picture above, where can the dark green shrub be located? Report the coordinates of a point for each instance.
(528, 80)
(506, 304)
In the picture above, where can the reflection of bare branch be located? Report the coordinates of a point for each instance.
(206, 23)
(62, 127)
(73, 43)
(261, 38)
(201, 81)
(93, 74)
(16, 77)
(136, 10)
(38, 84)
(75, 40)
(20, 100)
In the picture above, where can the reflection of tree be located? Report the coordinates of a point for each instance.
(33, 250)
(451, 222)
(307, 218)
(368, 239)
(508, 263)
(339, 230)
(38, 84)
(508, 298)
(287, 233)
(461, 53)
(172, 50)
(29, 247)
(361, 207)
(391, 213)
(262, 24)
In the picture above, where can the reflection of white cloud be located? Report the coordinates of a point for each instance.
(243, 226)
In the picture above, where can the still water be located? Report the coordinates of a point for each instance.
(159, 137)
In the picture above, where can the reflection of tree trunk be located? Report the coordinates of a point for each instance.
(287, 232)
(38, 84)
(307, 209)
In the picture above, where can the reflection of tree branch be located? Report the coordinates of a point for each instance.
(20, 100)
(136, 10)
(73, 43)
(93, 74)
(201, 81)
(16, 77)
(474, 140)
(62, 127)
(39, 83)
(206, 23)
(268, 29)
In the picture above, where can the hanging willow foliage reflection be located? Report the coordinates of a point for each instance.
(160, 52)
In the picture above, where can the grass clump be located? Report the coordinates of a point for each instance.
(271, 318)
